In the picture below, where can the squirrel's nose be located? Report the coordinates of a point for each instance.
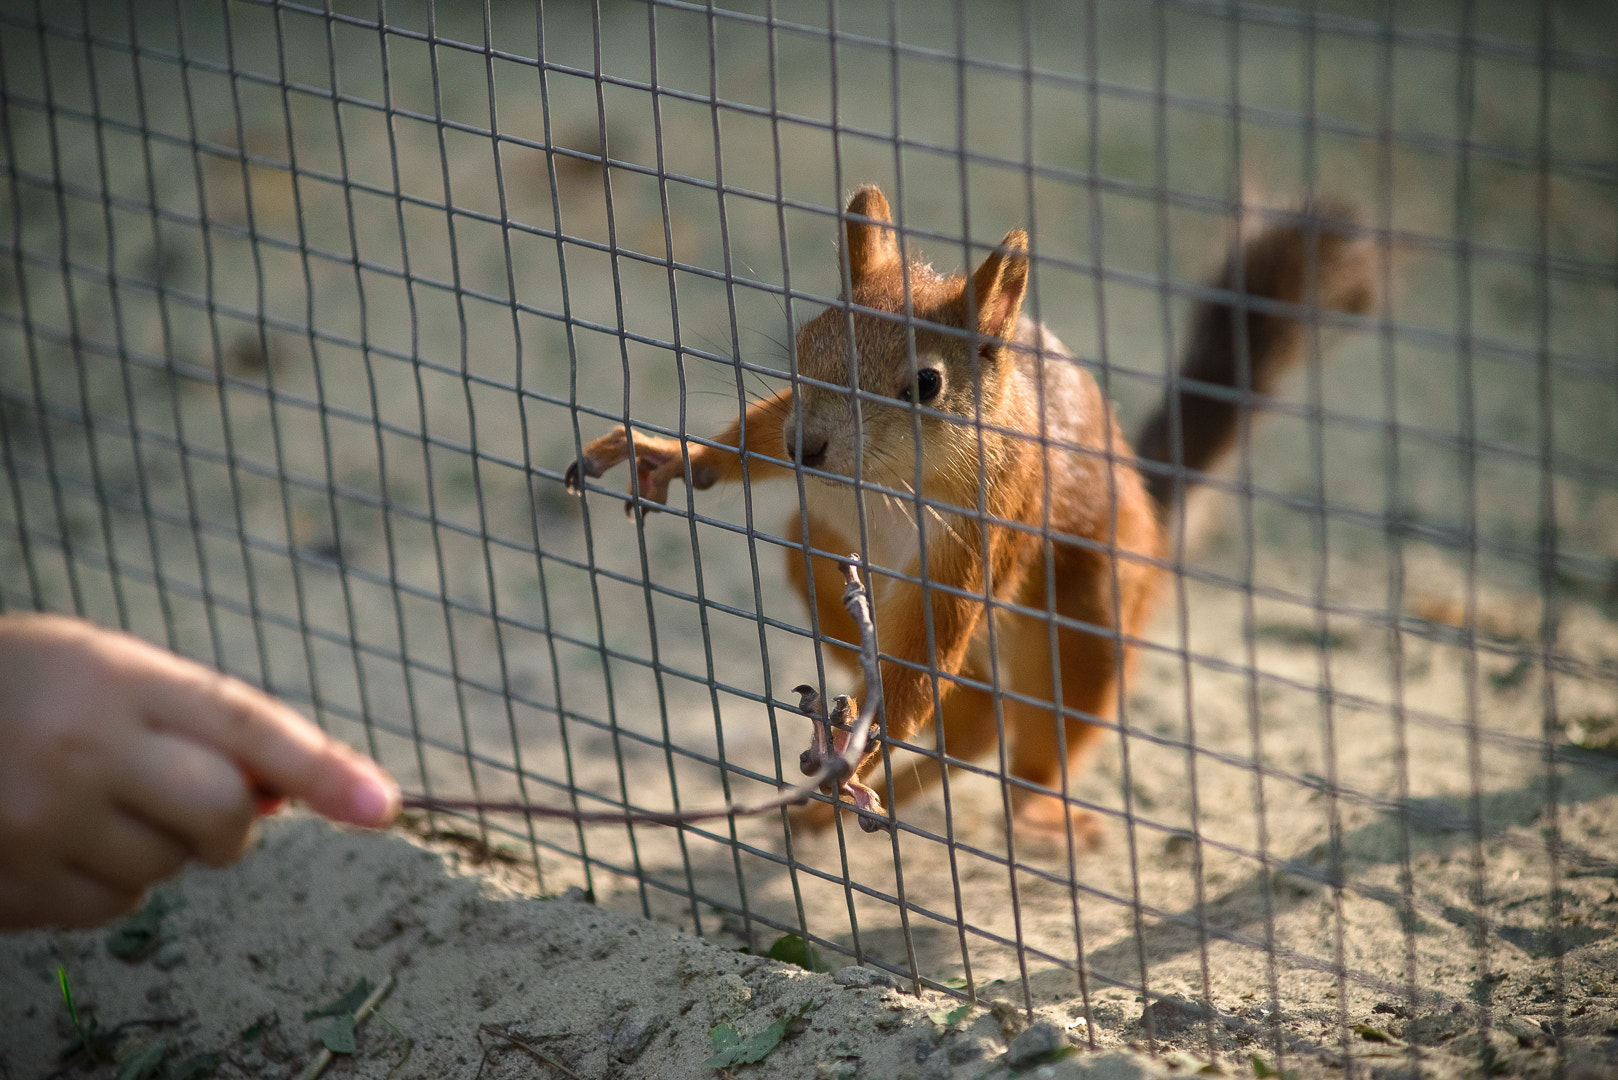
(812, 453)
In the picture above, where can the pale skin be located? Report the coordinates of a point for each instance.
(120, 763)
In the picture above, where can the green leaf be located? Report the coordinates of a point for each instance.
(734, 1050)
(792, 949)
(86, 1036)
(189, 1068)
(144, 1064)
(338, 1036)
(731, 1049)
(948, 1018)
(352, 999)
(1264, 1072)
(67, 996)
(723, 1037)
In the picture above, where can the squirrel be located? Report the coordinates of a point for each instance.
(993, 474)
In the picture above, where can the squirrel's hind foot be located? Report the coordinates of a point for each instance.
(1049, 817)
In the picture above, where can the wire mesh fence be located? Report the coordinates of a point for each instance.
(305, 313)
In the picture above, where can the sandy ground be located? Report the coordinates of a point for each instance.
(485, 983)
(1351, 820)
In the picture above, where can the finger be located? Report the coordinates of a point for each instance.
(83, 900)
(285, 752)
(175, 785)
(126, 853)
(66, 898)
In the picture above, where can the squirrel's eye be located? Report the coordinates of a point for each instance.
(928, 383)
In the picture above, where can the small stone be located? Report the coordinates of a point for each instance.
(1181, 1062)
(1010, 1016)
(1039, 1041)
(1599, 1022)
(1434, 1028)
(1493, 1045)
(636, 1033)
(1173, 1014)
(858, 978)
(1177, 845)
(1526, 1032)
(937, 1066)
(169, 957)
(1114, 1065)
(728, 996)
(1295, 886)
(396, 922)
(964, 1048)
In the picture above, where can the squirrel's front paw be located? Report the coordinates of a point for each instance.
(598, 456)
(657, 461)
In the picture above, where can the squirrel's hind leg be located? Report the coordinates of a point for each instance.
(1048, 747)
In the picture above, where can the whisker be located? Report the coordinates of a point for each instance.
(940, 518)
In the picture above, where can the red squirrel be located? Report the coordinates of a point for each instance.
(1021, 472)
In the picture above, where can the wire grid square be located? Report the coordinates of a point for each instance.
(306, 311)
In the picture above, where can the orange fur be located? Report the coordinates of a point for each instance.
(1023, 494)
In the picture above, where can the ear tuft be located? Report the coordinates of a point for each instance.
(999, 284)
(870, 246)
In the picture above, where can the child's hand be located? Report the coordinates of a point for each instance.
(120, 762)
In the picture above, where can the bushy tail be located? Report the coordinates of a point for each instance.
(1234, 351)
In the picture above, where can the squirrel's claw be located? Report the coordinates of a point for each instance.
(808, 699)
(595, 459)
(825, 743)
(842, 720)
(573, 479)
(828, 743)
(810, 760)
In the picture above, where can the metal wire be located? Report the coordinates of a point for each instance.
(306, 310)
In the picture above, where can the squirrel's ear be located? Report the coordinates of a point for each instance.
(999, 284)
(869, 246)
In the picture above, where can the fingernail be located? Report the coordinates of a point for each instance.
(376, 801)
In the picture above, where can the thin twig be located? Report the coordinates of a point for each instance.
(322, 1059)
(831, 771)
(523, 1043)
